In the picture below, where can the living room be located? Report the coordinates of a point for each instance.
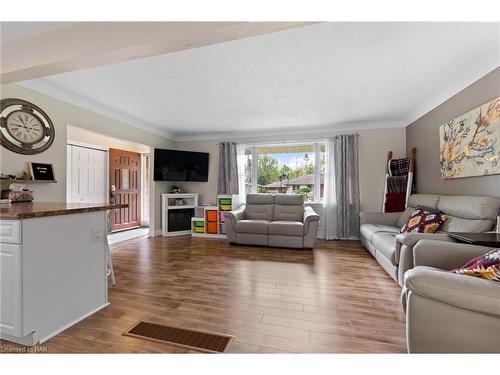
(250, 187)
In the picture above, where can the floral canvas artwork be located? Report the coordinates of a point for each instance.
(470, 144)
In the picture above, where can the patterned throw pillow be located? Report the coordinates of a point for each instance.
(486, 266)
(423, 221)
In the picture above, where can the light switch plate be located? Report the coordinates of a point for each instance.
(96, 235)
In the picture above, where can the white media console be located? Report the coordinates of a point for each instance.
(176, 213)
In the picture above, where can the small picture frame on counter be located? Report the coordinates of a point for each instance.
(41, 171)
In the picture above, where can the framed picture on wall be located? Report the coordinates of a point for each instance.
(41, 171)
(470, 144)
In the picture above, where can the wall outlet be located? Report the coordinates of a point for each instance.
(97, 235)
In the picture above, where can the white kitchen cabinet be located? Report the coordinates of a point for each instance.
(11, 289)
(10, 231)
(53, 277)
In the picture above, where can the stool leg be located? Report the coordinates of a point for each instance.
(110, 270)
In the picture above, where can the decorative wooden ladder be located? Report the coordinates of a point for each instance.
(389, 175)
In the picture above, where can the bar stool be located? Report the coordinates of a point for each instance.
(109, 262)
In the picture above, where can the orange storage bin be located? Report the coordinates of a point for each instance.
(211, 215)
(212, 227)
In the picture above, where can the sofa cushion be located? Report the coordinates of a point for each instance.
(368, 230)
(422, 221)
(458, 224)
(385, 243)
(426, 200)
(430, 209)
(289, 199)
(288, 212)
(286, 228)
(259, 211)
(469, 207)
(404, 216)
(260, 198)
(252, 226)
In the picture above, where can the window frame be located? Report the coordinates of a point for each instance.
(317, 163)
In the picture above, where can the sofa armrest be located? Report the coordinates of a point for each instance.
(445, 255)
(405, 243)
(383, 218)
(233, 216)
(311, 224)
(411, 239)
(467, 292)
(309, 216)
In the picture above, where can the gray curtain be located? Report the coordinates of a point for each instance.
(345, 148)
(228, 169)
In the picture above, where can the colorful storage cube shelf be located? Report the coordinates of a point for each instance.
(209, 220)
(199, 223)
(212, 227)
(199, 212)
(211, 215)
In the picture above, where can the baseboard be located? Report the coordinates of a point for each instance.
(73, 323)
(154, 232)
(32, 340)
(28, 340)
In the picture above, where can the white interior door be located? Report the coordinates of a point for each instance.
(87, 175)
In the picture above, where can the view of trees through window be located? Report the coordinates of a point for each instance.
(287, 169)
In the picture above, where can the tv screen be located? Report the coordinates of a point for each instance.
(175, 165)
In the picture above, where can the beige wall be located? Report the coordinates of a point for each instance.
(373, 147)
(63, 114)
(424, 135)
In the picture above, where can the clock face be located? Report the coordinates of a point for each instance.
(25, 127)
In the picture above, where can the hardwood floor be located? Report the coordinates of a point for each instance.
(335, 299)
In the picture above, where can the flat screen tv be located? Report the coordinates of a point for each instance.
(175, 165)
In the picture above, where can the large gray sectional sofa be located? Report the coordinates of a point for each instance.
(380, 232)
(278, 220)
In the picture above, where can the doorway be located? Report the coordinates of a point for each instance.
(125, 187)
(103, 169)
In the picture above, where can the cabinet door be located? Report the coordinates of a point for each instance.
(10, 289)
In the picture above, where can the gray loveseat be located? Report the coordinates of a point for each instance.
(279, 220)
(394, 251)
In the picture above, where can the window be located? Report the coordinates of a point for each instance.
(286, 169)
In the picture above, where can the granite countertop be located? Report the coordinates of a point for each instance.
(31, 210)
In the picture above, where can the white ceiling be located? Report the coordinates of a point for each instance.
(34, 50)
(326, 76)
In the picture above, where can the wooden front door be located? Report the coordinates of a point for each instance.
(125, 187)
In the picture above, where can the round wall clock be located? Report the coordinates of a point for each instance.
(24, 127)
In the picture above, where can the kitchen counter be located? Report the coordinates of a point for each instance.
(53, 259)
(31, 210)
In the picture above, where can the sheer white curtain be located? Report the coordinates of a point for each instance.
(240, 151)
(329, 219)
